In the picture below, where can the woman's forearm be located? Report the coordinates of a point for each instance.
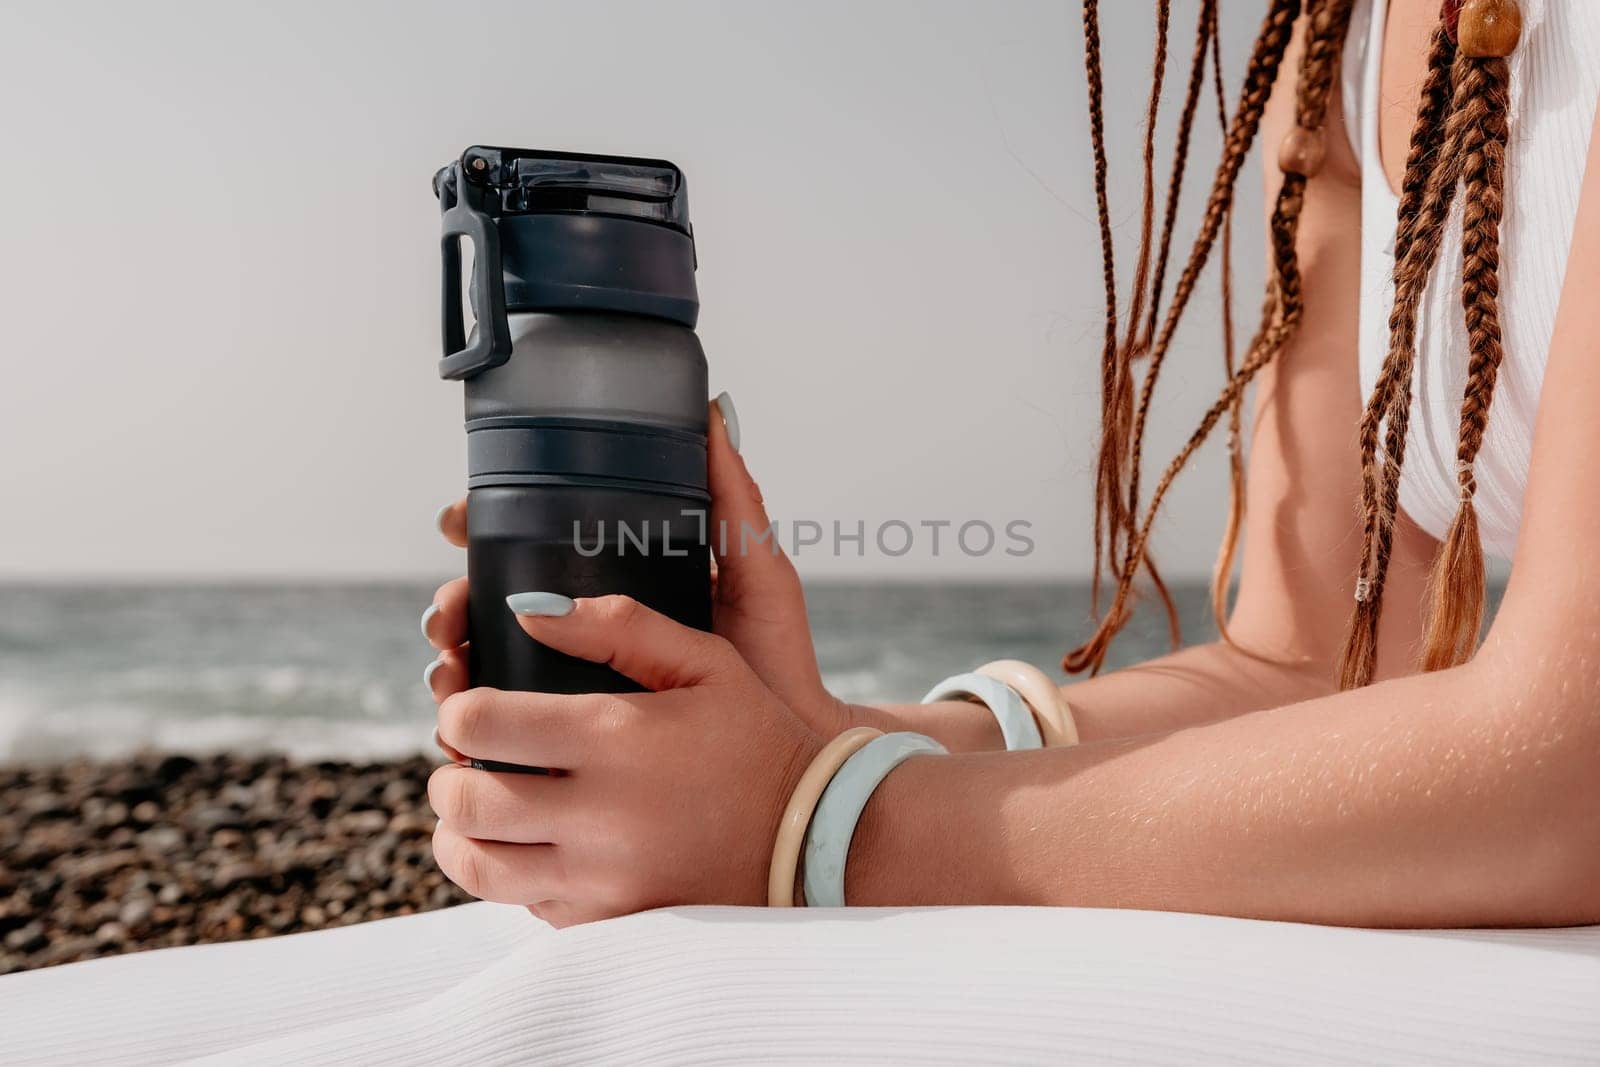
(1190, 687)
(1200, 684)
(1446, 799)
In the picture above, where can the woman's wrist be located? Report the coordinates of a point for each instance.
(918, 837)
(958, 725)
(967, 829)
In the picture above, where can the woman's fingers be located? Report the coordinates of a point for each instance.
(756, 591)
(459, 758)
(518, 809)
(531, 729)
(498, 872)
(452, 523)
(446, 675)
(444, 624)
(642, 644)
(748, 557)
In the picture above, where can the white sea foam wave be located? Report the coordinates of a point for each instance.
(30, 732)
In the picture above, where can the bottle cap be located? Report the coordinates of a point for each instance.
(558, 231)
(521, 181)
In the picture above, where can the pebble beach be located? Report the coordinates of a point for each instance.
(99, 858)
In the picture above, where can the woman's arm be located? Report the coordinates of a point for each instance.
(1199, 684)
(1299, 557)
(1468, 797)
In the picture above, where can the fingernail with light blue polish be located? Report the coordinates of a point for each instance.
(553, 605)
(427, 619)
(730, 418)
(428, 672)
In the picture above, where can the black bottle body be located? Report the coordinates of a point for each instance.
(587, 477)
(564, 539)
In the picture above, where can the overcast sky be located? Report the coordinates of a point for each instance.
(220, 268)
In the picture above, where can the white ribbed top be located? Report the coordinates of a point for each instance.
(1555, 78)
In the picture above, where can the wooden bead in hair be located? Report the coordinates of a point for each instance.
(1489, 29)
(1302, 152)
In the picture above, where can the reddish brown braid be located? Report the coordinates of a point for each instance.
(1474, 79)
(1426, 192)
(1112, 522)
(1457, 601)
(1222, 573)
(1113, 519)
(1205, 37)
(1141, 272)
(1137, 342)
(1300, 157)
(1108, 517)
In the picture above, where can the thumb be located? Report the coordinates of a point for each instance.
(760, 605)
(750, 560)
(633, 640)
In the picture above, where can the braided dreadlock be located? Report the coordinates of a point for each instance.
(1114, 519)
(1456, 614)
(1223, 572)
(1426, 192)
(1459, 140)
(1301, 158)
(1460, 136)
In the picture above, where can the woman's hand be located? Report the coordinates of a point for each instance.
(666, 797)
(757, 602)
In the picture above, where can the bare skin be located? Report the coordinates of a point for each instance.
(1210, 780)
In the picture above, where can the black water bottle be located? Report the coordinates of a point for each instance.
(585, 396)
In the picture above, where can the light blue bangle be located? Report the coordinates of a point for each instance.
(840, 807)
(1004, 703)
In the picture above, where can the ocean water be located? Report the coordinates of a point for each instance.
(335, 670)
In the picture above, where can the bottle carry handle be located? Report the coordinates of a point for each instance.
(461, 218)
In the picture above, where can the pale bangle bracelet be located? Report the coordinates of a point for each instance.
(1004, 703)
(802, 803)
(834, 824)
(1050, 708)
